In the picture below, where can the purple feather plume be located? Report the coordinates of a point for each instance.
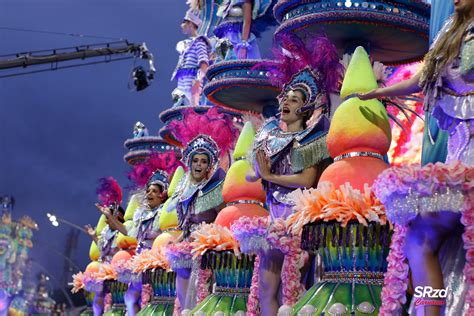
(109, 191)
(293, 55)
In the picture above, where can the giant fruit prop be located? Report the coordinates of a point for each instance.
(243, 198)
(360, 134)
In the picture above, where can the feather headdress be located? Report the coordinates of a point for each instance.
(141, 172)
(212, 132)
(109, 192)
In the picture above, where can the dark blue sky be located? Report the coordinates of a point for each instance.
(62, 130)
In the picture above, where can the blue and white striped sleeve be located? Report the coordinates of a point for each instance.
(202, 51)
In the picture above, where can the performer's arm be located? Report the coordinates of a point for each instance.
(246, 25)
(399, 89)
(91, 232)
(203, 62)
(111, 220)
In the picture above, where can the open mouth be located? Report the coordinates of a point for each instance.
(285, 110)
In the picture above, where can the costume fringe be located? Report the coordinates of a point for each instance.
(209, 200)
(305, 156)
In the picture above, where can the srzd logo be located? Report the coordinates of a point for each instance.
(426, 295)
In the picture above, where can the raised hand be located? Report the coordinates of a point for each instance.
(90, 230)
(263, 165)
(104, 210)
(242, 53)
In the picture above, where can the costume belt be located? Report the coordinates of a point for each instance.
(363, 277)
(453, 93)
(231, 291)
(245, 202)
(172, 229)
(359, 154)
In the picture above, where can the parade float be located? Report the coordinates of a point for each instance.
(341, 220)
(15, 245)
(155, 271)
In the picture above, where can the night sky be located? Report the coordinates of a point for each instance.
(62, 130)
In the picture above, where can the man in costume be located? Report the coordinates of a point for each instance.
(192, 64)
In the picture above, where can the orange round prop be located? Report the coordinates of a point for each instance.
(93, 267)
(165, 239)
(228, 215)
(126, 242)
(357, 171)
(121, 255)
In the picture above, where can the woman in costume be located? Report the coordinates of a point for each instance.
(294, 157)
(144, 227)
(198, 199)
(198, 196)
(106, 243)
(110, 197)
(447, 81)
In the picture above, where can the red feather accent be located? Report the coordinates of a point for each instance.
(218, 126)
(109, 191)
(141, 172)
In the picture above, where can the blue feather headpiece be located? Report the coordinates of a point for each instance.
(310, 83)
(202, 144)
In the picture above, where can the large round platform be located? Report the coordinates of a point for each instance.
(140, 148)
(233, 84)
(172, 114)
(394, 32)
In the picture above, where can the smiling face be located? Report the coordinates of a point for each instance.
(199, 167)
(154, 196)
(289, 105)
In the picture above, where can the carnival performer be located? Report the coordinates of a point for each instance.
(192, 64)
(106, 243)
(109, 194)
(435, 140)
(144, 227)
(294, 157)
(447, 82)
(208, 139)
(198, 199)
(239, 24)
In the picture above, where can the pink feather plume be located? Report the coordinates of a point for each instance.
(109, 191)
(293, 55)
(141, 172)
(218, 126)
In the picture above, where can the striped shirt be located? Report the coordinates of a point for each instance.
(192, 55)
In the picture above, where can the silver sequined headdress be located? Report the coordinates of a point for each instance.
(202, 144)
